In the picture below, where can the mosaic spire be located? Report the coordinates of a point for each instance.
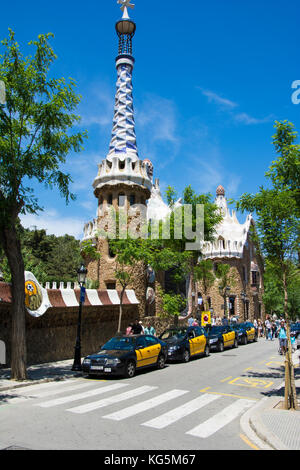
(123, 139)
(122, 164)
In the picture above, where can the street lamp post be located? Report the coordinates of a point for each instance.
(224, 293)
(243, 296)
(81, 272)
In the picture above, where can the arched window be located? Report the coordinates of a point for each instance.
(132, 199)
(110, 199)
(221, 239)
(121, 200)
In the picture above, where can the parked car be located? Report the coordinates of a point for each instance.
(221, 337)
(184, 343)
(241, 333)
(250, 332)
(123, 355)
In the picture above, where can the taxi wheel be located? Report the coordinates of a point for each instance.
(130, 369)
(186, 355)
(161, 362)
(245, 340)
(206, 351)
(220, 346)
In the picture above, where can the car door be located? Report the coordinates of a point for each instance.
(141, 353)
(153, 348)
(200, 340)
(230, 336)
(192, 341)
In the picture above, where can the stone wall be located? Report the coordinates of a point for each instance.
(52, 336)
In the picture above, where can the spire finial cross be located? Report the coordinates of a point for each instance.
(125, 5)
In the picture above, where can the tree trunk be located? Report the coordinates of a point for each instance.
(121, 309)
(290, 394)
(12, 248)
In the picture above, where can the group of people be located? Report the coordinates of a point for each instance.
(271, 329)
(137, 328)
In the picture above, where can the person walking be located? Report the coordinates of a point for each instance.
(137, 328)
(129, 329)
(149, 330)
(282, 336)
(268, 328)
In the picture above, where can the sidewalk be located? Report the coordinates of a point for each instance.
(39, 374)
(266, 425)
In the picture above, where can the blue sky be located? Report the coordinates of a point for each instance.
(209, 81)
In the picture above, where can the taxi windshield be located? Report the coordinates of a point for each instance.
(175, 333)
(216, 329)
(119, 343)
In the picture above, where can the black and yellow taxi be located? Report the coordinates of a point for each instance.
(123, 355)
(221, 337)
(251, 331)
(185, 342)
(241, 332)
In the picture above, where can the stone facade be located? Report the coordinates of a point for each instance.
(52, 336)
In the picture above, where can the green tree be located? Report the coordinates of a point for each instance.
(205, 274)
(35, 139)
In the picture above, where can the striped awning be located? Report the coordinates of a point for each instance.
(62, 298)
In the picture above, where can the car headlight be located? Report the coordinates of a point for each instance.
(112, 362)
(213, 340)
(86, 361)
(174, 348)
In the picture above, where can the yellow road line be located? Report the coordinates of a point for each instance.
(227, 378)
(244, 438)
(228, 394)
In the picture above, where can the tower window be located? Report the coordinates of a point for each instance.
(110, 199)
(121, 200)
(121, 165)
(132, 199)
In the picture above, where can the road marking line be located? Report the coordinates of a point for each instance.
(227, 378)
(111, 400)
(221, 419)
(80, 396)
(234, 396)
(178, 413)
(246, 440)
(145, 405)
(204, 389)
(55, 391)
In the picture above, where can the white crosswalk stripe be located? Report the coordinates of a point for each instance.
(203, 429)
(180, 412)
(80, 396)
(221, 419)
(145, 405)
(111, 400)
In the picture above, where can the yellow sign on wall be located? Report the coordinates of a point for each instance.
(205, 318)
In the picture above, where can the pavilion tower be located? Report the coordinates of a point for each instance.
(123, 179)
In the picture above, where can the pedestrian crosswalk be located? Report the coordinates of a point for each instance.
(168, 407)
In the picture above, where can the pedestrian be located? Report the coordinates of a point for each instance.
(268, 328)
(149, 330)
(191, 321)
(260, 329)
(195, 323)
(213, 320)
(282, 336)
(137, 328)
(274, 329)
(129, 329)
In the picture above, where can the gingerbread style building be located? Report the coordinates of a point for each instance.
(124, 180)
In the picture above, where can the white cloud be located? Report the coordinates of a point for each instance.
(213, 97)
(228, 106)
(54, 223)
(249, 120)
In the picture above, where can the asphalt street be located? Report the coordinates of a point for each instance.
(197, 405)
